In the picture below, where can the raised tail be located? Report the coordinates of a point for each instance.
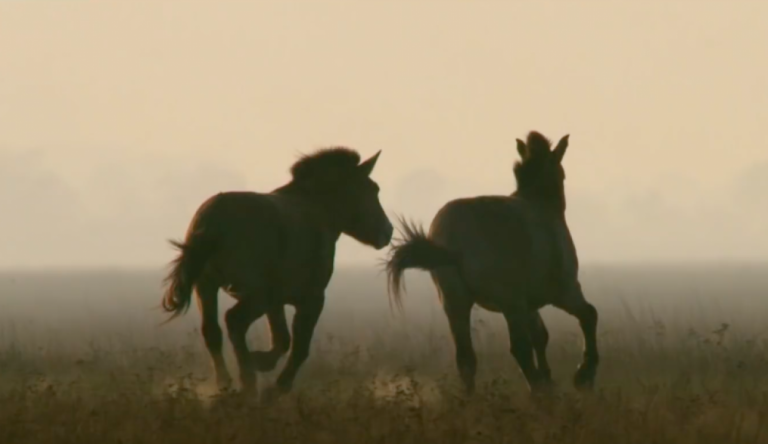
(413, 250)
(185, 270)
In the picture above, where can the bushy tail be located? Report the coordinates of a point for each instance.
(413, 250)
(185, 270)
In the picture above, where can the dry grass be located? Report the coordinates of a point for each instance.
(671, 375)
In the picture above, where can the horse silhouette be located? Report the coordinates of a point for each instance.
(509, 254)
(271, 249)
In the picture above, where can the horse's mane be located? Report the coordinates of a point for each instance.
(338, 159)
(538, 149)
(538, 145)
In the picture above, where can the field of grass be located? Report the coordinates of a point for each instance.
(684, 360)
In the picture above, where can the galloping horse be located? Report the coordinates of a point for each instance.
(509, 254)
(271, 249)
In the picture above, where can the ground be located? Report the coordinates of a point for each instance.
(685, 359)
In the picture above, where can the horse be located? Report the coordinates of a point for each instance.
(508, 254)
(268, 250)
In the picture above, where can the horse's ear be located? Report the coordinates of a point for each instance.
(367, 167)
(559, 150)
(522, 149)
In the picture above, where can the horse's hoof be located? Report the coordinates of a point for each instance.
(227, 391)
(272, 394)
(224, 384)
(468, 383)
(545, 386)
(584, 379)
(248, 386)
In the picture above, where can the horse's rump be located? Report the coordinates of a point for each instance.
(194, 254)
(505, 241)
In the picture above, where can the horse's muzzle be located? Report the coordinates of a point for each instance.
(385, 237)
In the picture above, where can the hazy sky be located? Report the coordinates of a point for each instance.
(118, 118)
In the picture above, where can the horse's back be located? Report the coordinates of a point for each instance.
(245, 227)
(262, 238)
(504, 242)
(489, 229)
(236, 214)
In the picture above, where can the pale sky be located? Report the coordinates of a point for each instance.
(117, 119)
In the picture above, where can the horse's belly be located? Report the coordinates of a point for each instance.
(488, 305)
(297, 288)
(304, 277)
(236, 291)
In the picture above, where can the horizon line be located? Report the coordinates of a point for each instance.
(636, 263)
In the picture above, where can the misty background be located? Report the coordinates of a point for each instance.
(118, 119)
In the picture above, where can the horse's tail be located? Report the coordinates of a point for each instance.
(414, 250)
(185, 270)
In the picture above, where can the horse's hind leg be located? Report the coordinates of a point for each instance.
(459, 317)
(540, 340)
(573, 303)
(266, 361)
(303, 328)
(521, 344)
(457, 305)
(239, 318)
(207, 300)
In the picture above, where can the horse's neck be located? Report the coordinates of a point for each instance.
(288, 189)
(566, 263)
(320, 216)
(551, 217)
(549, 210)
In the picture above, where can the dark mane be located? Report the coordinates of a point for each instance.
(539, 148)
(537, 144)
(338, 160)
(528, 169)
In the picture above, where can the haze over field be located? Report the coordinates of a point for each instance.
(82, 358)
(118, 119)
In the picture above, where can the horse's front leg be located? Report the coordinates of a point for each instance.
(266, 361)
(304, 322)
(540, 340)
(573, 302)
(239, 318)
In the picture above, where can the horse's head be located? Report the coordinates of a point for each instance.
(539, 172)
(344, 187)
